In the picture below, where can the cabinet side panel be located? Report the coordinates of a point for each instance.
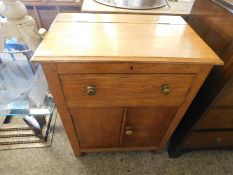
(55, 87)
(198, 81)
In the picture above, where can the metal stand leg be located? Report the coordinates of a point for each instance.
(48, 127)
(7, 119)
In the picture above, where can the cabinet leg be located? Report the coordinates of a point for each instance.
(79, 154)
(155, 151)
(174, 152)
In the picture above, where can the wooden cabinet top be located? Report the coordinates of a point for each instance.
(119, 37)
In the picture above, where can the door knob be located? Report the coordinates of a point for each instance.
(128, 130)
(91, 90)
(165, 89)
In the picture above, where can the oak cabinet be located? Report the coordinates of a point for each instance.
(119, 82)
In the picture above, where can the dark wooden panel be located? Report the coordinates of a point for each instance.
(126, 90)
(214, 25)
(98, 127)
(209, 140)
(148, 125)
(217, 119)
(226, 96)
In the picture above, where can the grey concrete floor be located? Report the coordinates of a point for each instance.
(59, 159)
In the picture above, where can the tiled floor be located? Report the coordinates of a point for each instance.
(59, 159)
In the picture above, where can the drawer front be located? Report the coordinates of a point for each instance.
(125, 90)
(145, 126)
(217, 119)
(209, 140)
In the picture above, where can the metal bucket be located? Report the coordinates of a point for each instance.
(135, 4)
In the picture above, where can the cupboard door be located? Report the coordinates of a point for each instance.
(98, 127)
(145, 126)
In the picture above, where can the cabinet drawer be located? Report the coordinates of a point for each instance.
(217, 119)
(126, 90)
(210, 140)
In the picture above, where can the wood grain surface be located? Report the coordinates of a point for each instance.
(98, 127)
(126, 90)
(125, 67)
(115, 53)
(148, 125)
(121, 18)
(71, 41)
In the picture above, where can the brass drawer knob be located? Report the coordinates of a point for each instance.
(91, 90)
(128, 130)
(165, 89)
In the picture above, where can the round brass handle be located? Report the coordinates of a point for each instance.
(165, 89)
(91, 90)
(129, 132)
